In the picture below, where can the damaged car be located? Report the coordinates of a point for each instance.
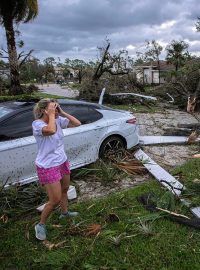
(103, 130)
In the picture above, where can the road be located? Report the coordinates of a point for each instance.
(55, 89)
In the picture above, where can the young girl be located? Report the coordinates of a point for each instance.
(51, 162)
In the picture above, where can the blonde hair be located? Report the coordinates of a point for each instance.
(39, 107)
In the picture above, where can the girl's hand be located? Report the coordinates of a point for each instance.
(60, 111)
(51, 109)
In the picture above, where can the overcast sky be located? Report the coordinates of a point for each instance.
(74, 28)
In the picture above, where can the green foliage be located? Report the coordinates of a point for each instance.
(167, 201)
(105, 172)
(177, 53)
(28, 97)
(120, 245)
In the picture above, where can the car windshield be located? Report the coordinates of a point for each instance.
(4, 111)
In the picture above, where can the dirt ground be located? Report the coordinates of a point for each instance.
(167, 156)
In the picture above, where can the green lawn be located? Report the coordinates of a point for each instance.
(161, 244)
(28, 97)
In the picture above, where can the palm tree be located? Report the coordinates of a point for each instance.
(177, 53)
(11, 12)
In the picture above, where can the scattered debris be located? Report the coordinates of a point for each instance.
(118, 239)
(159, 173)
(192, 138)
(51, 245)
(196, 156)
(4, 218)
(132, 167)
(153, 140)
(172, 99)
(27, 233)
(190, 125)
(149, 201)
(133, 94)
(101, 96)
(177, 131)
(112, 217)
(92, 229)
(145, 228)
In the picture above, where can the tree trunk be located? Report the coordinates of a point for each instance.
(79, 77)
(15, 87)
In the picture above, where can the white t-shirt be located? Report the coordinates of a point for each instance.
(51, 151)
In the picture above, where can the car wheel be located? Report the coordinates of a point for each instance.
(111, 146)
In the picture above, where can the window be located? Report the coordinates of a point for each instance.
(85, 114)
(4, 111)
(18, 126)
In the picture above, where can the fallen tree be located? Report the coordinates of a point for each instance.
(184, 86)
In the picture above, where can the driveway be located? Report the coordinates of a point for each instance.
(55, 89)
(167, 156)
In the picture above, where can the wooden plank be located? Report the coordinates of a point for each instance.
(159, 173)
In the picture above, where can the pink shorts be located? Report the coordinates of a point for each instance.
(53, 174)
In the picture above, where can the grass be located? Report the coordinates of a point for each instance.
(139, 240)
(32, 96)
(73, 86)
(133, 242)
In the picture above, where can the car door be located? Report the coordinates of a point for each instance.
(82, 143)
(17, 149)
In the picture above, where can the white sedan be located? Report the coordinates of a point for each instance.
(103, 129)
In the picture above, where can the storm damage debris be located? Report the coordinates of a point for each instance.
(165, 179)
(132, 167)
(150, 202)
(132, 97)
(159, 173)
(136, 95)
(153, 140)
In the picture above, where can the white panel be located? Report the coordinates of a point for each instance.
(159, 173)
(148, 140)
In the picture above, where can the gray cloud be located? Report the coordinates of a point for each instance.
(74, 28)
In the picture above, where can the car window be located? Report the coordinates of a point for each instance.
(83, 113)
(4, 111)
(18, 126)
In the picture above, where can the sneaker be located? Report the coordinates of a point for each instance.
(40, 231)
(69, 214)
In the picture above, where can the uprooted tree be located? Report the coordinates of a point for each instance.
(183, 85)
(110, 69)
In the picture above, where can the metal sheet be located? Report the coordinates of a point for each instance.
(196, 211)
(159, 173)
(133, 94)
(150, 140)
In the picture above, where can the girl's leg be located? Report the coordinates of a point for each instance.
(65, 181)
(54, 195)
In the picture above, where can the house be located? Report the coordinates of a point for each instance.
(149, 73)
(61, 74)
